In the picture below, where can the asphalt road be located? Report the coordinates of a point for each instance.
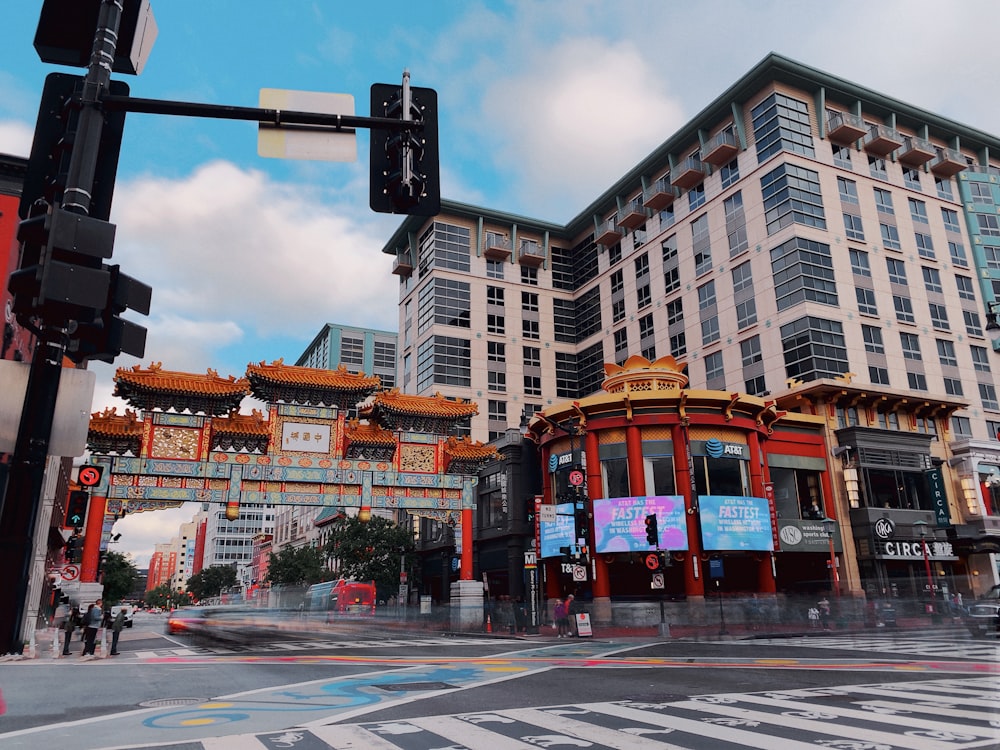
(169, 689)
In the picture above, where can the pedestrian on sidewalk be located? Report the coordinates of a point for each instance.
(116, 629)
(562, 622)
(71, 623)
(573, 608)
(824, 612)
(91, 622)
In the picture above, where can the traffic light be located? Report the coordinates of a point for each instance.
(106, 335)
(74, 545)
(404, 171)
(582, 520)
(652, 532)
(76, 508)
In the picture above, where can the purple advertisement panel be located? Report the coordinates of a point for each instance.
(620, 523)
(735, 523)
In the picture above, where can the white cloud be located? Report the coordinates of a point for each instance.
(141, 532)
(15, 138)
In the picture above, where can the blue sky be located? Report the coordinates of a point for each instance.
(543, 105)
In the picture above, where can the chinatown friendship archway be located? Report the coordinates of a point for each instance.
(184, 440)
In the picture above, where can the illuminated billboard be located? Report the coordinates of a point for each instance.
(735, 523)
(559, 533)
(620, 523)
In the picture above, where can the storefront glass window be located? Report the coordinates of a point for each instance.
(797, 493)
(615, 474)
(903, 490)
(714, 476)
(660, 475)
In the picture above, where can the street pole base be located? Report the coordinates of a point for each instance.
(664, 629)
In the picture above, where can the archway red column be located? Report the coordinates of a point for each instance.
(92, 539)
(465, 570)
(595, 489)
(693, 580)
(765, 571)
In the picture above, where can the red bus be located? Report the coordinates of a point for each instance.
(342, 597)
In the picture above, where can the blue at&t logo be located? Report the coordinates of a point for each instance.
(714, 447)
(553, 462)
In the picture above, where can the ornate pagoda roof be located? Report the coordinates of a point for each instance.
(436, 406)
(310, 385)
(242, 424)
(639, 374)
(156, 388)
(368, 434)
(111, 432)
(467, 457)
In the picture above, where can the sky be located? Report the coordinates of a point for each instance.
(542, 106)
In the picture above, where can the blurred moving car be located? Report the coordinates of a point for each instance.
(982, 617)
(129, 613)
(186, 620)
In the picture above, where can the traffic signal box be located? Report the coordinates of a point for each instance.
(405, 174)
(652, 532)
(76, 508)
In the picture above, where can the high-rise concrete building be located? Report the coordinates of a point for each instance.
(802, 238)
(366, 350)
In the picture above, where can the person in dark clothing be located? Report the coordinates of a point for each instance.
(91, 622)
(71, 623)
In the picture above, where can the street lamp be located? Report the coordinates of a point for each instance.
(829, 526)
(921, 527)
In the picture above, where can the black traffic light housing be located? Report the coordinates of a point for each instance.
(404, 171)
(106, 335)
(74, 546)
(76, 508)
(582, 519)
(652, 531)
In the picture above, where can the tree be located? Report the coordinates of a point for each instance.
(211, 581)
(297, 566)
(161, 596)
(370, 550)
(119, 577)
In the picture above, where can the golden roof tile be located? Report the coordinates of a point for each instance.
(112, 424)
(167, 381)
(437, 405)
(241, 424)
(465, 450)
(340, 379)
(369, 434)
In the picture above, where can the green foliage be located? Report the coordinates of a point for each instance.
(211, 581)
(370, 551)
(161, 596)
(297, 566)
(119, 576)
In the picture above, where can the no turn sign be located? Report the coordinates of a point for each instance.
(90, 476)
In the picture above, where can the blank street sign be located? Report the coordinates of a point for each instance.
(296, 143)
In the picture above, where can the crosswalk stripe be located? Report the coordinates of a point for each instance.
(468, 734)
(233, 742)
(713, 731)
(573, 727)
(350, 737)
(904, 695)
(936, 710)
(839, 729)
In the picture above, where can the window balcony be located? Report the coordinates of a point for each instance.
(688, 173)
(845, 129)
(632, 214)
(916, 152)
(531, 254)
(497, 247)
(403, 265)
(882, 140)
(721, 149)
(948, 163)
(608, 234)
(660, 195)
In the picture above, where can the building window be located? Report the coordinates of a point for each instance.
(696, 196)
(444, 302)
(890, 236)
(742, 277)
(643, 297)
(496, 351)
(529, 329)
(642, 265)
(904, 308)
(932, 279)
(981, 192)
(939, 316)
(853, 227)
(961, 426)
(897, 271)
(944, 191)
(876, 167)
(444, 360)
(953, 386)
(911, 345)
(614, 254)
(706, 295)
(755, 386)
(618, 311)
(873, 339)
(494, 295)
(988, 394)
(646, 326)
(444, 246)
(730, 174)
(701, 247)
(848, 190)
(883, 202)
(980, 358)
(746, 313)
(750, 350)
(667, 216)
(529, 275)
(866, 301)
(532, 356)
(529, 301)
(814, 348)
(494, 323)
(714, 368)
(925, 245)
(989, 224)
(617, 281)
(803, 270)
(965, 288)
(678, 344)
(497, 381)
(675, 311)
(498, 410)
(950, 219)
(859, 262)
(494, 268)
(973, 326)
(792, 195)
(946, 352)
(917, 381)
(671, 280)
(710, 330)
(842, 156)
(957, 252)
(918, 211)
(878, 375)
(352, 351)
(532, 385)
(911, 178)
(736, 229)
(781, 123)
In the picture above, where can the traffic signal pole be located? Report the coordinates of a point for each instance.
(23, 494)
